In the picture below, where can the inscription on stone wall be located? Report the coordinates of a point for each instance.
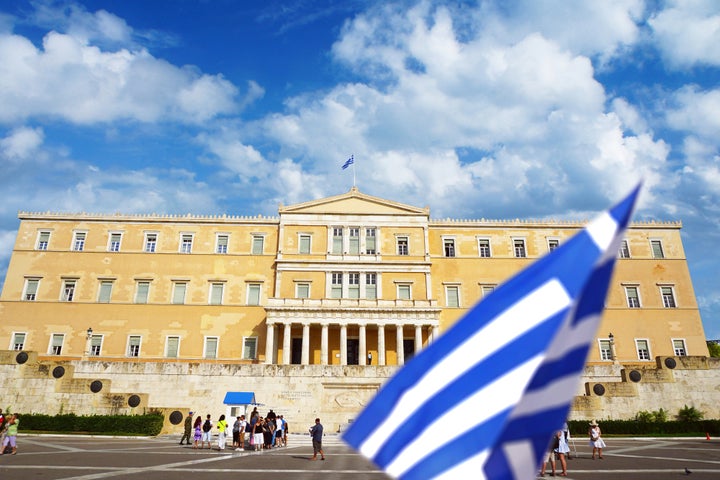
(295, 395)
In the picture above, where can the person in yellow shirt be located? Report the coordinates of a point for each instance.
(222, 426)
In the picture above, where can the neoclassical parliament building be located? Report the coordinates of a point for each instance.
(327, 298)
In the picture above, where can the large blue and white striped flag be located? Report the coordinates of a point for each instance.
(484, 399)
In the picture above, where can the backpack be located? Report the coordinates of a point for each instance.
(207, 426)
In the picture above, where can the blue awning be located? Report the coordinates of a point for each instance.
(239, 398)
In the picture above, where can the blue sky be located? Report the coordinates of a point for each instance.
(494, 109)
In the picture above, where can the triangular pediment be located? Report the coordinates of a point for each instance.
(354, 203)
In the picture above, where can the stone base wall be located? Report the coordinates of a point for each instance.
(33, 384)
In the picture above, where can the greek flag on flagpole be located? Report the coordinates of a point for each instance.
(349, 162)
(483, 400)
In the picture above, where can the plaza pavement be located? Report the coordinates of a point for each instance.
(49, 457)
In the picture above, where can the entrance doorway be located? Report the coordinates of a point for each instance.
(408, 348)
(296, 351)
(353, 351)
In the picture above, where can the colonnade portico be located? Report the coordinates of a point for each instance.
(333, 327)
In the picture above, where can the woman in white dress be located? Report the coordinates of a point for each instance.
(596, 441)
(561, 451)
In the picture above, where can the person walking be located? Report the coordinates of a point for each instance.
(11, 434)
(596, 441)
(188, 429)
(316, 433)
(561, 451)
(550, 456)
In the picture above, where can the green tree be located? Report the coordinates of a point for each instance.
(714, 348)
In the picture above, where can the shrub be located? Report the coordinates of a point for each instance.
(150, 424)
(689, 414)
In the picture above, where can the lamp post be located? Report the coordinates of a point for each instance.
(612, 346)
(88, 341)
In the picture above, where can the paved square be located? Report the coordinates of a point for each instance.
(88, 458)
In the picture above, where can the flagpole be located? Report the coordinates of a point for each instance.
(353, 165)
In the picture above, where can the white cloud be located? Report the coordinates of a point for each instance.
(21, 143)
(84, 84)
(101, 27)
(696, 111)
(687, 32)
(583, 27)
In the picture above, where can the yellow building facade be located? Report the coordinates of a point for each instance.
(345, 280)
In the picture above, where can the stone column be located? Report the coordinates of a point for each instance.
(362, 354)
(343, 344)
(435, 332)
(286, 343)
(418, 338)
(324, 345)
(305, 344)
(269, 343)
(400, 348)
(381, 345)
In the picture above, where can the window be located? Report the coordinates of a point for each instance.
(79, 241)
(519, 246)
(68, 291)
(643, 349)
(216, 293)
(56, 343)
(31, 288)
(105, 291)
(403, 291)
(211, 347)
(43, 240)
(172, 346)
(449, 247)
(114, 242)
(370, 241)
(668, 297)
(302, 290)
(553, 243)
(657, 249)
(679, 347)
(633, 299)
(142, 291)
(18, 342)
(605, 350)
(221, 243)
(354, 241)
(186, 241)
(336, 285)
(452, 296)
(95, 345)
(150, 242)
(253, 294)
(179, 289)
(353, 285)
(304, 244)
(624, 250)
(484, 247)
(486, 290)
(133, 349)
(371, 286)
(258, 244)
(249, 348)
(337, 240)
(402, 245)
